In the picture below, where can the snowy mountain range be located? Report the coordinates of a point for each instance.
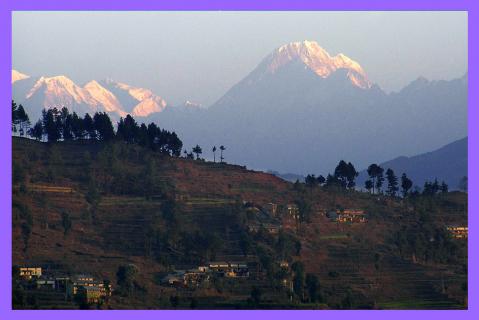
(301, 110)
(116, 98)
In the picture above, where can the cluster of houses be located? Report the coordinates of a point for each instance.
(195, 278)
(458, 232)
(93, 289)
(348, 216)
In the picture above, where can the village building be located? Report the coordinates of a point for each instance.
(203, 269)
(176, 279)
(271, 209)
(93, 294)
(268, 227)
(293, 210)
(458, 232)
(30, 272)
(92, 285)
(351, 215)
(45, 283)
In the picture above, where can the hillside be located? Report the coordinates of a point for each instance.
(448, 164)
(129, 205)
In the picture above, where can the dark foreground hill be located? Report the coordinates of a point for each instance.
(85, 207)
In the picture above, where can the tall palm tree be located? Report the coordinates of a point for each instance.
(198, 151)
(214, 153)
(222, 148)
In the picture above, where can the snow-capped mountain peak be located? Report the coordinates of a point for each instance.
(148, 102)
(104, 97)
(61, 91)
(17, 76)
(110, 96)
(313, 56)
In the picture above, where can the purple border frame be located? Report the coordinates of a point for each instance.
(472, 6)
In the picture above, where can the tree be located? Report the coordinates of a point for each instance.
(392, 182)
(351, 175)
(321, 180)
(341, 173)
(298, 278)
(368, 184)
(197, 150)
(14, 116)
(126, 277)
(312, 286)
(375, 173)
(92, 196)
(81, 298)
(444, 188)
(214, 153)
(64, 120)
(311, 182)
(128, 130)
(406, 184)
(463, 184)
(19, 117)
(222, 148)
(245, 243)
(174, 301)
(26, 232)
(168, 210)
(103, 126)
(88, 127)
(256, 295)
(51, 124)
(345, 174)
(66, 223)
(77, 126)
(37, 131)
(23, 120)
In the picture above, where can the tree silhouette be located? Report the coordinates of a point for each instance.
(128, 130)
(312, 286)
(311, 182)
(351, 175)
(77, 127)
(392, 182)
(88, 127)
(197, 150)
(463, 184)
(321, 180)
(222, 148)
(345, 174)
(214, 153)
(406, 184)
(375, 173)
(51, 125)
(103, 126)
(444, 188)
(37, 131)
(368, 184)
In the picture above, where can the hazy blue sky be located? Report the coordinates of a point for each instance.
(199, 55)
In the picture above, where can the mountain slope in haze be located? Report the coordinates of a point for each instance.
(117, 99)
(302, 110)
(448, 164)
